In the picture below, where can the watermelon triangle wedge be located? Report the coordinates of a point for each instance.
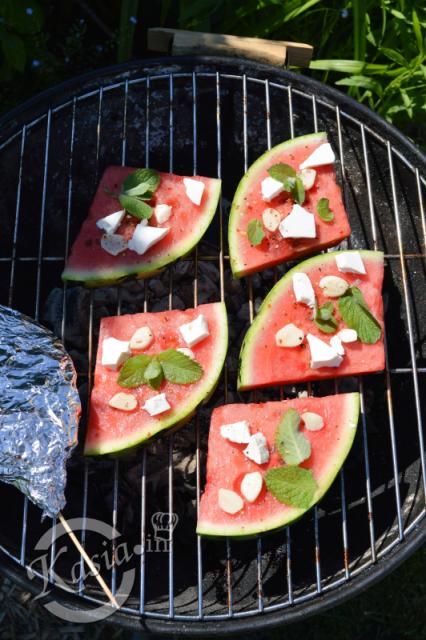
(264, 363)
(227, 465)
(90, 264)
(248, 205)
(112, 430)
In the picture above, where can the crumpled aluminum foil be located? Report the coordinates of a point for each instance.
(39, 410)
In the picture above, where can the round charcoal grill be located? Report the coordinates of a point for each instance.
(214, 117)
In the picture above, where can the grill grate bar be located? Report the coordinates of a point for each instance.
(17, 215)
(409, 320)
(421, 207)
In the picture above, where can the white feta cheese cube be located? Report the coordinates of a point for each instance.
(195, 331)
(157, 404)
(162, 212)
(194, 189)
(145, 237)
(303, 289)
(238, 432)
(322, 354)
(251, 486)
(350, 262)
(110, 223)
(114, 353)
(322, 155)
(299, 223)
(113, 243)
(337, 345)
(257, 449)
(348, 335)
(271, 188)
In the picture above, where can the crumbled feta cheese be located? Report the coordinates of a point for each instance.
(257, 448)
(251, 486)
(238, 432)
(333, 286)
(123, 401)
(229, 501)
(195, 331)
(289, 336)
(322, 354)
(144, 237)
(114, 353)
(157, 404)
(350, 262)
(194, 189)
(312, 421)
(271, 188)
(299, 223)
(322, 155)
(348, 335)
(303, 289)
(113, 243)
(162, 212)
(337, 345)
(110, 223)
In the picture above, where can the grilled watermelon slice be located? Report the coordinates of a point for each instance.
(248, 205)
(90, 264)
(111, 430)
(227, 465)
(263, 363)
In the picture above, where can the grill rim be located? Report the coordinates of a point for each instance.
(332, 96)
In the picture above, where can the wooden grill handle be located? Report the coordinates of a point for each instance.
(276, 52)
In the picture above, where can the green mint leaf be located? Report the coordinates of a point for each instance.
(255, 232)
(298, 191)
(356, 315)
(292, 445)
(179, 368)
(153, 374)
(294, 486)
(141, 182)
(283, 173)
(323, 210)
(135, 206)
(133, 371)
(324, 318)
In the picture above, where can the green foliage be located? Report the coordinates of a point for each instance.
(373, 49)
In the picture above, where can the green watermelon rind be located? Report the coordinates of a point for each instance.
(210, 529)
(175, 420)
(264, 160)
(105, 277)
(243, 382)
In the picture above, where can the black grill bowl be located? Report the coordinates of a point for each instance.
(214, 117)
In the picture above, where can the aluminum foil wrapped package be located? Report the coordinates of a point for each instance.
(39, 410)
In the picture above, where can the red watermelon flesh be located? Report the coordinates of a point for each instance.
(263, 363)
(248, 205)
(227, 465)
(110, 430)
(90, 263)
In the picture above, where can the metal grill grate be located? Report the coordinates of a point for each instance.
(215, 119)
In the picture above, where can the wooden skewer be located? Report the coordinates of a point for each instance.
(88, 561)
